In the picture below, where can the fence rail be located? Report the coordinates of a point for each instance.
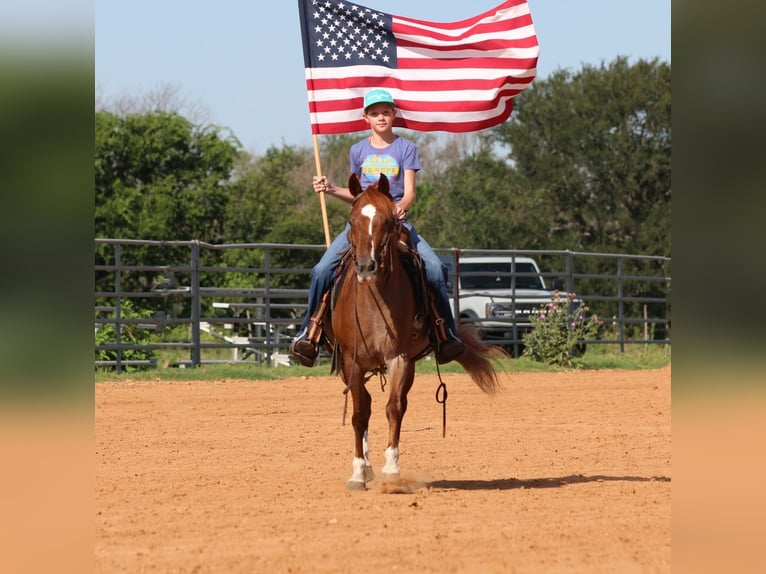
(631, 294)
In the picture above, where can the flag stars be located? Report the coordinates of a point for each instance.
(341, 29)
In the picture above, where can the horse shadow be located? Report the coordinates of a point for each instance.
(552, 482)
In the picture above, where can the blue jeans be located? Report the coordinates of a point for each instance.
(324, 272)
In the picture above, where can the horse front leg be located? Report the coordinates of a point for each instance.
(362, 468)
(402, 374)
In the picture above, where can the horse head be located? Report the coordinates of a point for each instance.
(373, 223)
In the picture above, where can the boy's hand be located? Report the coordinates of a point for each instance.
(321, 184)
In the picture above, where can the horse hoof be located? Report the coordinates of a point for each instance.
(355, 485)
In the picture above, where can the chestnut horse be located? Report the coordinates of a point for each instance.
(378, 326)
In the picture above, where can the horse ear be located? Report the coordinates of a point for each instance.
(383, 184)
(354, 185)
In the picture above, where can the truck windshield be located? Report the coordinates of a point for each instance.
(498, 276)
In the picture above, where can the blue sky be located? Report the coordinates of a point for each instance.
(243, 64)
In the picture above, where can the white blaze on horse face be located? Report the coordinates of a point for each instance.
(370, 212)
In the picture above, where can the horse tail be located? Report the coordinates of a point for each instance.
(476, 360)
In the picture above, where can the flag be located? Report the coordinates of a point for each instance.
(455, 77)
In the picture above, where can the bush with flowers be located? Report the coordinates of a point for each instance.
(558, 329)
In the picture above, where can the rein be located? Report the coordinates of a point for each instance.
(387, 252)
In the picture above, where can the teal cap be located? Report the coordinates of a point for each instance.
(378, 97)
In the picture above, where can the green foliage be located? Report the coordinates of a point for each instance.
(597, 143)
(635, 357)
(558, 329)
(158, 176)
(272, 202)
(486, 204)
(583, 164)
(130, 334)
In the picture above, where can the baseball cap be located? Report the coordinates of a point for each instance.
(378, 97)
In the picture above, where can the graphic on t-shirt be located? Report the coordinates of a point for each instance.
(373, 165)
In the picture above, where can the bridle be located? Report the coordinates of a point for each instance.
(394, 227)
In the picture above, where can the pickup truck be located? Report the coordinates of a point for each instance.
(497, 294)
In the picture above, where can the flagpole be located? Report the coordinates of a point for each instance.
(322, 201)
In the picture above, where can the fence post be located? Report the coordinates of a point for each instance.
(196, 306)
(620, 306)
(514, 325)
(117, 308)
(267, 310)
(570, 272)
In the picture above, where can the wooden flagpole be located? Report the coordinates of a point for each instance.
(322, 201)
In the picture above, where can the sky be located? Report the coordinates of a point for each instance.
(242, 64)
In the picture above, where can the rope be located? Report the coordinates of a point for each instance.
(353, 362)
(442, 390)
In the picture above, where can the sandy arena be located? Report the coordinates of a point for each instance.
(556, 473)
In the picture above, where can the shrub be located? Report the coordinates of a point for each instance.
(131, 334)
(558, 329)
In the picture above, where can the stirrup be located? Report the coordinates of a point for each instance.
(304, 351)
(449, 350)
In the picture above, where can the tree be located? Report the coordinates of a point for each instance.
(271, 202)
(158, 176)
(598, 145)
(595, 146)
(479, 202)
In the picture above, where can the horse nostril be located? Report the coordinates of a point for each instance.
(366, 266)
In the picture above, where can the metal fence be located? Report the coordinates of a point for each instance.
(185, 305)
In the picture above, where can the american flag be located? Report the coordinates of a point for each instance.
(455, 77)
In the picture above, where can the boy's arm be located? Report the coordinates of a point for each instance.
(322, 184)
(408, 199)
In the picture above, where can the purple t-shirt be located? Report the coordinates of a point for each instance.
(369, 162)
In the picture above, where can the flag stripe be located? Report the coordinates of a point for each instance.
(441, 82)
(488, 48)
(403, 28)
(458, 77)
(484, 63)
(471, 102)
(506, 10)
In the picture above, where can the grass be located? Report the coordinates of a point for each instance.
(608, 356)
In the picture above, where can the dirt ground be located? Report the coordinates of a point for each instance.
(556, 473)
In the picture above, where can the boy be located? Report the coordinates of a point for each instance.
(382, 152)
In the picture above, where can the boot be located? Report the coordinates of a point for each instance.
(304, 350)
(305, 346)
(448, 346)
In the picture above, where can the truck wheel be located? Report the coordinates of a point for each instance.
(578, 350)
